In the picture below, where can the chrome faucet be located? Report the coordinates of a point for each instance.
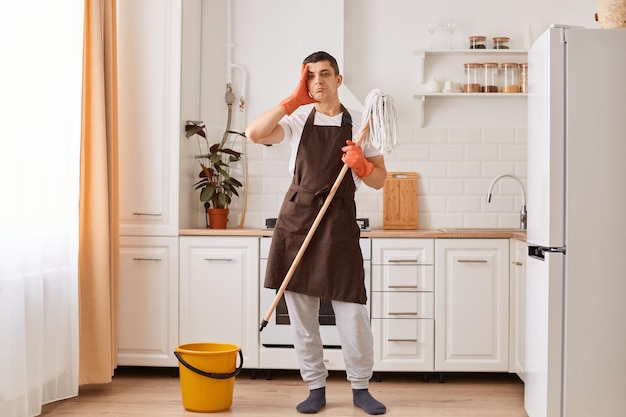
(522, 213)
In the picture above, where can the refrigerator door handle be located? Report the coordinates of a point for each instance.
(538, 252)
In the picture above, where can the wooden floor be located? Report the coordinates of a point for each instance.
(154, 392)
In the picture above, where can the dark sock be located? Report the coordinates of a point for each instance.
(314, 403)
(363, 399)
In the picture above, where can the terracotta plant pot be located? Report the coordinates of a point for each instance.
(218, 218)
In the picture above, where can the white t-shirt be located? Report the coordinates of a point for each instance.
(293, 126)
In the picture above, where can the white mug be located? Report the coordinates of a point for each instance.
(451, 86)
(433, 86)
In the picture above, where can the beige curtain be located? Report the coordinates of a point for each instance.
(99, 217)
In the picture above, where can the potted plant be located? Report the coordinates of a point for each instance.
(216, 185)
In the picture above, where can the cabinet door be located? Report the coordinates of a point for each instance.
(148, 301)
(219, 292)
(149, 62)
(518, 307)
(472, 305)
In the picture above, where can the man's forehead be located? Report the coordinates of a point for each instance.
(319, 66)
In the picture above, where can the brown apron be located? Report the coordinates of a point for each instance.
(332, 265)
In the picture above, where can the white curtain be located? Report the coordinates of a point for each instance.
(40, 122)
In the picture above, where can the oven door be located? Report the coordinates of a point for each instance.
(278, 331)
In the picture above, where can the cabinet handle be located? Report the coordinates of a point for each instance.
(473, 261)
(146, 214)
(219, 259)
(399, 261)
(147, 259)
(517, 263)
(402, 286)
(400, 313)
(402, 340)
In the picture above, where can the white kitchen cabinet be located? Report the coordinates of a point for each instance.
(472, 305)
(219, 292)
(518, 307)
(481, 109)
(402, 304)
(148, 301)
(149, 74)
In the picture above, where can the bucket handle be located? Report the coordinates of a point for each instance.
(211, 374)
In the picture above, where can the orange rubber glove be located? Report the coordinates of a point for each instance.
(300, 95)
(353, 157)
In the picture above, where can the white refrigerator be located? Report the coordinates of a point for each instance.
(575, 363)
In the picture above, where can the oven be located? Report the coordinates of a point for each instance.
(278, 333)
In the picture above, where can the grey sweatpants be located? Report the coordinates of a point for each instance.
(355, 336)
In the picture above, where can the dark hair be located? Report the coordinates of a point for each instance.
(322, 56)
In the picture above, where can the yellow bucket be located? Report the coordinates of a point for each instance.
(207, 375)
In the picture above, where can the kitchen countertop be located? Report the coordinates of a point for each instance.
(444, 232)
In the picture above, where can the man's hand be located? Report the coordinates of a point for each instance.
(353, 157)
(300, 95)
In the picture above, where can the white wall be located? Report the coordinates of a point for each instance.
(374, 42)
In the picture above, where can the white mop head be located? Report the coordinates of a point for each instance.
(381, 114)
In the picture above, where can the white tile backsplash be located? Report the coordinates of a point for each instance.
(466, 169)
(455, 167)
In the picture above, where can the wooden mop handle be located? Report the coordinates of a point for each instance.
(309, 235)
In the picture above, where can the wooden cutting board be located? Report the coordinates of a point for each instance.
(400, 201)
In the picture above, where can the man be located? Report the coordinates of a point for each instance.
(332, 266)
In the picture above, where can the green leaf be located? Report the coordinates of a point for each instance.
(207, 193)
(195, 127)
(222, 171)
(215, 159)
(231, 152)
(235, 182)
(223, 199)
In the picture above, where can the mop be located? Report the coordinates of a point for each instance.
(379, 125)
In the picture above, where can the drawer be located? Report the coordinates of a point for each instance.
(404, 345)
(403, 251)
(403, 336)
(403, 305)
(403, 277)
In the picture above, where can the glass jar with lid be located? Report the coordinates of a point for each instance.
(523, 77)
(477, 42)
(473, 77)
(501, 42)
(510, 77)
(491, 82)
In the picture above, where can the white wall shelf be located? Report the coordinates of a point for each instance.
(478, 53)
(447, 65)
(471, 51)
(471, 95)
